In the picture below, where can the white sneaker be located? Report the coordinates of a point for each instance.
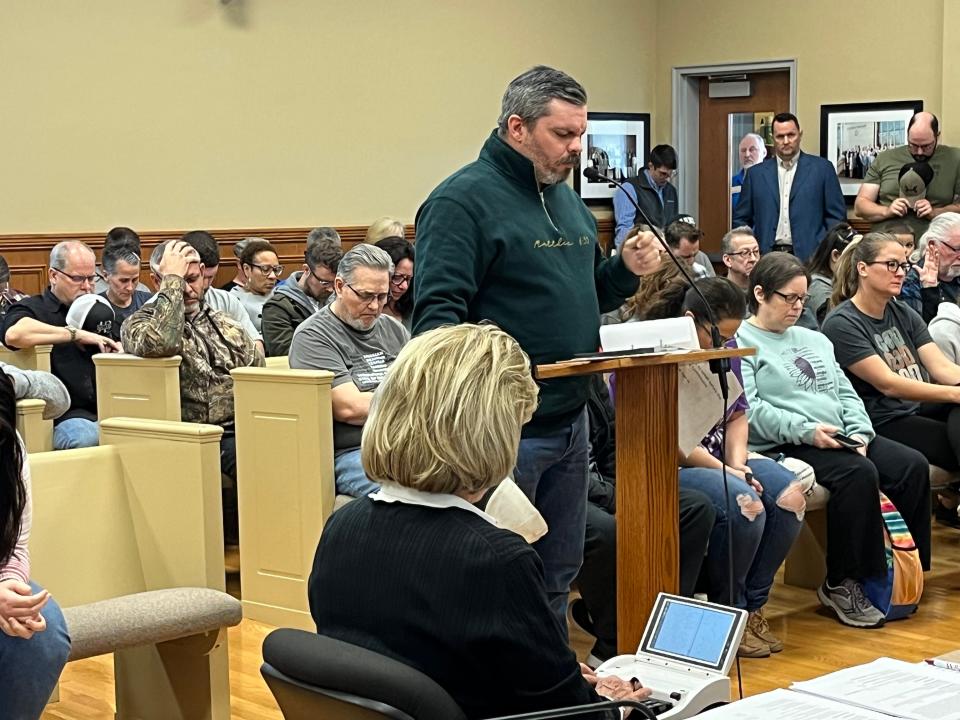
(850, 604)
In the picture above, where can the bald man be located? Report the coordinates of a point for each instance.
(752, 151)
(880, 200)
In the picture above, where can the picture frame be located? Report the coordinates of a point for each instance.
(618, 145)
(851, 135)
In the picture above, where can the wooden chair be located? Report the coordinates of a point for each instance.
(136, 387)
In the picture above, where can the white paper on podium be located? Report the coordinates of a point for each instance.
(894, 687)
(676, 333)
(700, 401)
(787, 705)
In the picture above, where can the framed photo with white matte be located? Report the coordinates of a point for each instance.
(617, 145)
(853, 134)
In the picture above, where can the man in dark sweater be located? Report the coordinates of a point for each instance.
(506, 239)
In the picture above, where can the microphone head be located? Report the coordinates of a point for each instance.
(591, 173)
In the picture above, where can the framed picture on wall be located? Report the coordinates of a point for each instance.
(617, 145)
(852, 135)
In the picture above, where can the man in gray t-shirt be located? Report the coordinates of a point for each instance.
(351, 338)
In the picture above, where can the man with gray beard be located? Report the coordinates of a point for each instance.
(353, 339)
(936, 278)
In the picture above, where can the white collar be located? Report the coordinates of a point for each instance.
(796, 159)
(392, 492)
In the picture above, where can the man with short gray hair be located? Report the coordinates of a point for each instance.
(752, 151)
(740, 251)
(353, 339)
(506, 239)
(42, 320)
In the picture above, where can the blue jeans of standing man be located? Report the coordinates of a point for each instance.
(29, 669)
(552, 472)
(349, 475)
(75, 433)
(760, 543)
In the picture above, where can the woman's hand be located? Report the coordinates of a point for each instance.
(20, 609)
(822, 437)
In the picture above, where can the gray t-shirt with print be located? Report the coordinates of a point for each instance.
(324, 342)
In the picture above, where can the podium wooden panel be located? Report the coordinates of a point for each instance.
(648, 551)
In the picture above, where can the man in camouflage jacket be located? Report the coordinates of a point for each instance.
(177, 322)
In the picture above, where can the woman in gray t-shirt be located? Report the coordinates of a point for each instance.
(908, 385)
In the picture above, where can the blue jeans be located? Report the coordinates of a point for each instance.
(552, 472)
(75, 433)
(349, 475)
(759, 545)
(29, 669)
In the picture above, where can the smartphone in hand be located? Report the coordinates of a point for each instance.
(848, 442)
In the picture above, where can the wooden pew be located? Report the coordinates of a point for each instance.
(135, 387)
(37, 433)
(285, 486)
(128, 538)
(36, 358)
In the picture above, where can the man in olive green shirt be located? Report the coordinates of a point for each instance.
(879, 199)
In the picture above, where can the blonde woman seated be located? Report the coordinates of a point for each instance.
(909, 387)
(799, 400)
(416, 571)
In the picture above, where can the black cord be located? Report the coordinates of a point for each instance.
(582, 710)
(724, 391)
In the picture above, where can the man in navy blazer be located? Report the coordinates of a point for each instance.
(791, 199)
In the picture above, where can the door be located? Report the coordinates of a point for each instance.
(723, 123)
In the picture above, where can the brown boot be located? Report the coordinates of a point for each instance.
(751, 646)
(757, 624)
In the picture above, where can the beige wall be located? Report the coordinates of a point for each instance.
(262, 113)
(846, 50)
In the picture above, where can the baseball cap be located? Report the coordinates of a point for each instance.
(915, 177)
(686, 218)
(92, 313)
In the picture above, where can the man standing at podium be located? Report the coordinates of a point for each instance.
(506, 239)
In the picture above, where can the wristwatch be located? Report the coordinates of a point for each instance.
(73, 333)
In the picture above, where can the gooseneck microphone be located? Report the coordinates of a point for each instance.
(720, 366)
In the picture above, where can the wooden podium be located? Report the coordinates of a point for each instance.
(648, 555)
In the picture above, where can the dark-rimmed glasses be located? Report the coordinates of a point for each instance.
(368, 297)
(267, 269)
(397, 280)
(79, 279)
(893, 265)
(792, 298)
(748, 253)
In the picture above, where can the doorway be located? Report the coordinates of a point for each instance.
(724, 121)
(703, 128)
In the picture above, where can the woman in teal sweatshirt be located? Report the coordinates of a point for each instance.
(799, 399)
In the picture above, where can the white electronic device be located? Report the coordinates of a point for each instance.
(666, 334)
(684, 656)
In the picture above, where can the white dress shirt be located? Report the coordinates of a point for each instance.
(785, 177)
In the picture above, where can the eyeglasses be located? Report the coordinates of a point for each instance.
(792, 298)
(368, 297)
(746, 254)
(399, 279)
(707, 329)
(79, 279)
(268, 269)
(922, 148)
(893, 265)
(325, 284)
(948, 246)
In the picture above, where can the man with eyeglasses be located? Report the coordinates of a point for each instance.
(177, 321)
(880, 199)
(652, 190)
(791, 199)
(741, 251)
(936, 278)
(42, 320)
(301, 296)
(352, 338)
